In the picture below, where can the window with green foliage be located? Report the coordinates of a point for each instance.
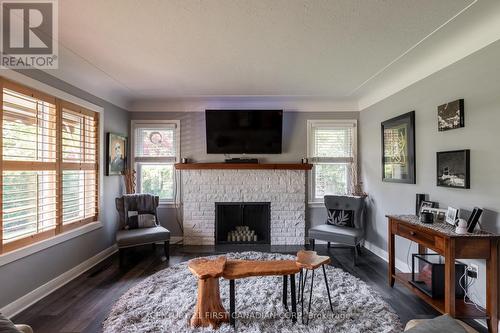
(332, 151)
(155, 152)
(48, 168)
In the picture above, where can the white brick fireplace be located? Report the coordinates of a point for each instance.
(284, 189)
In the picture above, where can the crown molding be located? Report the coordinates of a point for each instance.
(287, 103)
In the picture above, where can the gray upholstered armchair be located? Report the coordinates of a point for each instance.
(140, 236)
(345, 229)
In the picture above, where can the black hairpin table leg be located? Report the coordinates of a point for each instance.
(327, 288)
(310, 297)
(285, 291)
(294, 300)
(232, 304)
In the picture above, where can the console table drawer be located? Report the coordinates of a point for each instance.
(421, 237)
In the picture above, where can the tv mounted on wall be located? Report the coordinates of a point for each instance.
(244, 131)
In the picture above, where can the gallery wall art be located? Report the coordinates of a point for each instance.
(453, 169)
(398, 149)
(451, 115)
(116, 154)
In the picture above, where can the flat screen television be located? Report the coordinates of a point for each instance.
(244, 131)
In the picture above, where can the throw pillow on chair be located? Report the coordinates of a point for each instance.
(340, 218)
(137, 220)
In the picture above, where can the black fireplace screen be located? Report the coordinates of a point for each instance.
(242, 222)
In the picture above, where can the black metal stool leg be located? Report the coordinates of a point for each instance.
(232, 304)
(294, 299)
(310, 298)
(327, 288)
(285, 291)
(302, 296)
(300, 283)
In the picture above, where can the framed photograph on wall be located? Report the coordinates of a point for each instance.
(116, 154)
(451, 115)
(453, 169)
(398, 149)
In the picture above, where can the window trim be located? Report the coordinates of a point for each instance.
(32, 243)
(134, 124)
(311, 123)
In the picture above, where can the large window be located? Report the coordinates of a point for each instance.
(48, 167)
(155, 150)
(332, 150)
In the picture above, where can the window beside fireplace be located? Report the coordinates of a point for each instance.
(243, 223)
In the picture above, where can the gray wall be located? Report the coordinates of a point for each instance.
(193, 146)
(22, 276)
(476, 79)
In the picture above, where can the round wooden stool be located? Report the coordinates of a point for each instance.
(310, 261)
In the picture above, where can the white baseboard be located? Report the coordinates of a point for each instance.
(400, 264)
(34, 296)
(176, 240)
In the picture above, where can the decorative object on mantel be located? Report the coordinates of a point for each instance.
(453, 169)
(398, 149)
(174, 291)
(129, 178)
(451, 115)
(116, 154)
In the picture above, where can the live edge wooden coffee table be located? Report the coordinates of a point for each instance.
(209, 309)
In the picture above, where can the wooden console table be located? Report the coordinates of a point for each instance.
(441, 238)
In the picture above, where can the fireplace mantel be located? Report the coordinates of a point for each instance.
(243, 166)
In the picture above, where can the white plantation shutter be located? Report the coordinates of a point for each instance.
(332, 150)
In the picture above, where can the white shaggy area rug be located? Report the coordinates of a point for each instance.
(164, 302)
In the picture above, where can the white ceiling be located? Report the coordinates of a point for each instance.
(339, 52)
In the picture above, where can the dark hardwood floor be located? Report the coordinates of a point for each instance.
(83, 304)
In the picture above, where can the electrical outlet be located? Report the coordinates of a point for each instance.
(473, 271)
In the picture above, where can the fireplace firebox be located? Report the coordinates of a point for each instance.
(243, 223)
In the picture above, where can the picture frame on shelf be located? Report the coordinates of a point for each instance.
(453, 169)
(452, 215)
(398, 149)
(439, 214)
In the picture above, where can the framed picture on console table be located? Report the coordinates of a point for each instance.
(453, 169)
(398, 149)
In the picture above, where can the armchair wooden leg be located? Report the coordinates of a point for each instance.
(311, 243)
(328, 245)
(166, 248)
